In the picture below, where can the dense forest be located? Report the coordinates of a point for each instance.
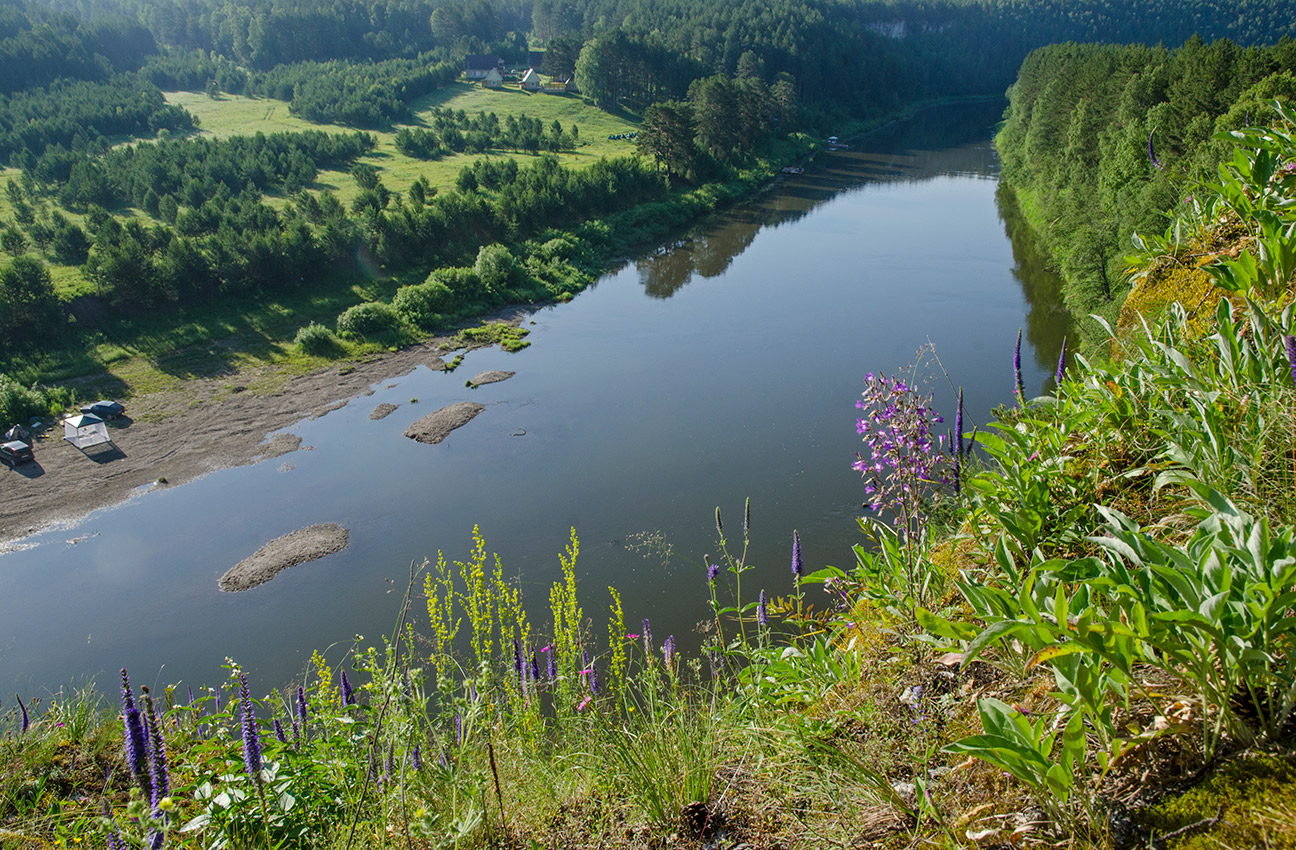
(186, 220)
(1102, 142)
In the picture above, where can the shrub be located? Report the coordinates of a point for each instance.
(318, 340)
(462, 282)
(369, 319)
(497, 269)
(19, 403)
(421, 303)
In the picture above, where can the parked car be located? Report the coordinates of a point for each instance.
(14, 453)
(105, 409)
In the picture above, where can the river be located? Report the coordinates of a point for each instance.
(721, 366)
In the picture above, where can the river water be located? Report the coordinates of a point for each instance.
(721, 366)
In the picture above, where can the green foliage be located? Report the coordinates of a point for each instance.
(368, 320)
(422, 304)
(317, 340)
(18, 403)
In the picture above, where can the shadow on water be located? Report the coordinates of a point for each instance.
(948, 140)
(1047, 320)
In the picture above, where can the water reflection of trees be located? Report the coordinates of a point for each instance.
(936, 142)
(1047, 318)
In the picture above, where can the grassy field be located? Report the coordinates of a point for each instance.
(231, 115)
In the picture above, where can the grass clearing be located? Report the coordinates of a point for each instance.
(234, 115)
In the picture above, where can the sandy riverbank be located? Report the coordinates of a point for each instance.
(178, 435)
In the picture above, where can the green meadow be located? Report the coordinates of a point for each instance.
(233, 115)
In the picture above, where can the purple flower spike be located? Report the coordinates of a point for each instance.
(535, 666)
(127, 698)
(301, 708)
(137, 748)
(713, 570)
(251, 740)
(458, 724)
(551, 667)
(797, 568)
(348, 694)
(762, 610)
(26, 721)
(1290, 342)
(1152, 157)
(1061, 367)
(159, 776)
(647, 638)
(416, 758)
(668, 653)
(1017, 375)
(595, 687)
(279, 732)
(958, 423)
(190, 696)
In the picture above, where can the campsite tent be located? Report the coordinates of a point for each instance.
(85, 430)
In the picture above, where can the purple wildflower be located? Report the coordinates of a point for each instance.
(127, 698)
(251, 741)
(1061, 367)
(301, 708)
(416, 758)
(647, 638)
(551, 666)
(26, 721)
(114, 840)
(958, 424)
(762, 610)
(137, 748)
(1017, 375)
(458, 723)
(797, 567)
(1290, 342)
(1152, 157)
(159, 777)
(595, 687)
(713, 570)
(279, 732)
(517, 659)
(348, 693)
(668, 653)
(217, 693)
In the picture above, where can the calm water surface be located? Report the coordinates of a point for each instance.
(723, 365)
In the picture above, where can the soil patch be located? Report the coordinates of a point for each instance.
(492, 376)
(435, 427)
(298, 547)
(181, 433)
(382, 411)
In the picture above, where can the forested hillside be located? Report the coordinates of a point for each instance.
(1102, 142)
(102, 236)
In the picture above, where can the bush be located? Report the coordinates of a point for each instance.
(464, 283)
(18, 403)
(318, 340)
(369, 319)
(497, 270)
(421, 303)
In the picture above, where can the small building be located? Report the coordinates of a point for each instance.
(479, 66)
(530, 80)
(562, 86)
(85, 430)
(493, 79)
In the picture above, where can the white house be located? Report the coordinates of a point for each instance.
(493, 79)
(530, 80)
